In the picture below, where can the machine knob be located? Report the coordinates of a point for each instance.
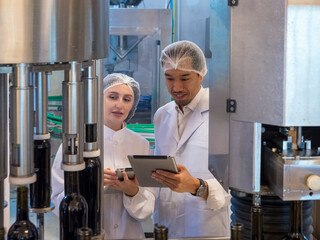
(313, 182)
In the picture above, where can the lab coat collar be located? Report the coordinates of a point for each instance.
(172, 121)
(196, 118)
(114, 135)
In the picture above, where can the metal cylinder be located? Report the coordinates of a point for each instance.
(4, 83)
(72, 91)
(40, 81)
(21, 141)
(90, 108)
(39, 31)
(40, 225)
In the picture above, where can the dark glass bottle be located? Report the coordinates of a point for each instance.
(296, 222)
(257, 223)
(236, 231)
(90, 189)
(22, 228)
(73, 209)
(84, 233)
(2, 233)
(40, 191)
(160, 232)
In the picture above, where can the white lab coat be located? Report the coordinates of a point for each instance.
(186, 215)
(118, 222)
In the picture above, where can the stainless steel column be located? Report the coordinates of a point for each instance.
(41, 105)
(4, 80)
(21, 111)
(72, 91)
(91, 97)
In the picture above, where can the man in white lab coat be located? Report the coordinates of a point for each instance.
(194, 204)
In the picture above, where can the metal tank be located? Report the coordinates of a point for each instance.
(36, 38)
(264, 94)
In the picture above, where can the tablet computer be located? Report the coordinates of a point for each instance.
(144, 165)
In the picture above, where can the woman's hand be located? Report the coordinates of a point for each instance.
(129, 187)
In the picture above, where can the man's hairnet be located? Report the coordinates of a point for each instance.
(115, 79)
(184, 56)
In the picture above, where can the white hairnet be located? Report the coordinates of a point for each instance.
(115, 79)
(184, 56)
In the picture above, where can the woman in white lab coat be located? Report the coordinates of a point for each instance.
(122, 209)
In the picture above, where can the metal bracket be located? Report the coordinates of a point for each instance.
(233, 3)
(231, 105)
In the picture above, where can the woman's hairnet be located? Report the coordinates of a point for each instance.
(185, 56)
(115, 79)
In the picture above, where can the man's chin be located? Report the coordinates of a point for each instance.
(181, 102)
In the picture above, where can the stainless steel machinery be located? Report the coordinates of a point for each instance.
(137, 37)
(36, 38)
(264, 103)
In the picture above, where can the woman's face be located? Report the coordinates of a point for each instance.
(117, 103)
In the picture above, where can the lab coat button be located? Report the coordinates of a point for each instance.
(115, 226)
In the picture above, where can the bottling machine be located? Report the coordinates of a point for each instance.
(264, 119)
(36, 38)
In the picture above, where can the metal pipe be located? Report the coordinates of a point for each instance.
(40, 226)
(299, 136)
(72, 92)
(156, 85)
(40, 80)
(4, 82)
(21, 107)
(91, 108)
(256, 218)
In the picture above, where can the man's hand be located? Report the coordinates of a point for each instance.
(178, 182)
(129, 187)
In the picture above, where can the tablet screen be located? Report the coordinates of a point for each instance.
(144, 165)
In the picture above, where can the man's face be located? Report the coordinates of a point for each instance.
(183, 85)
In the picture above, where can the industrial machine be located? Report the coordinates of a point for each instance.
(36, 38)
(137, 37)
(264, 119)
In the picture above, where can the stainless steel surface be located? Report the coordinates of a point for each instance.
(218, 67)
(4, 101)
(272, 75)
(245, 156)
(91, 96)
(53, 30)
(72, 92)
(40, 81)
(21, 125)
(273, 63)
(287, 176)
(40, 226)
(134, 34)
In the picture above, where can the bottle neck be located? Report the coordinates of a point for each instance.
(71, 182)
(22, 203)
(296, 218)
